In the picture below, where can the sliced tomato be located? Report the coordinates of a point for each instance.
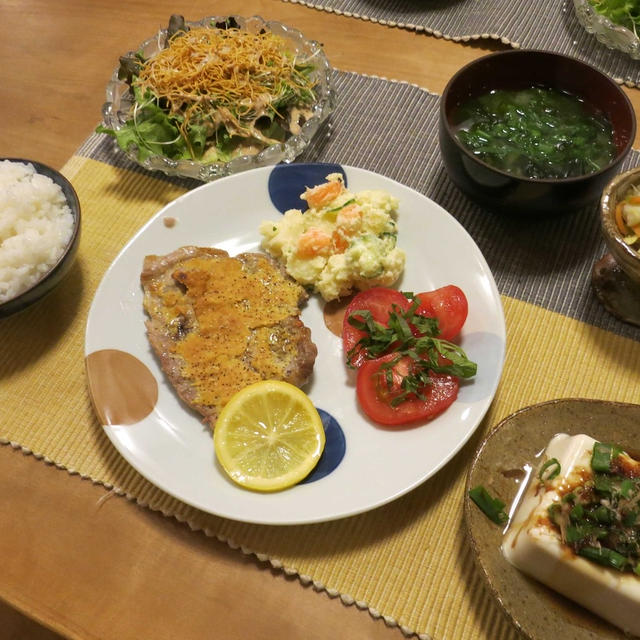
(379, 302)
(375, 397)
(447, 304)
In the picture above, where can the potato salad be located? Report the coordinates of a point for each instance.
(343, 242)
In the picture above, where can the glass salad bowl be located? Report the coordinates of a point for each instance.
(610, 34)
(118, 108)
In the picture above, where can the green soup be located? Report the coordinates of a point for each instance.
(536, 133)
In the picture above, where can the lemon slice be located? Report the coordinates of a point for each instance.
(269, 436)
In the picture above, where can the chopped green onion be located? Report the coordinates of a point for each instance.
(602, 482)
(553, 511)
(584, 531)
(599, 518)
(604, 556)
(602, 514)
(602, 456)
(627, 487)
(554, 465)
(577, 512)
(491, 507)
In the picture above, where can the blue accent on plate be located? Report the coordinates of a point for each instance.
(288, 181)
(334, 448)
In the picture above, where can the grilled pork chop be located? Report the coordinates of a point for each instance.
(218, 324)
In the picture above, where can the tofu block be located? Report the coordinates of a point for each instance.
(533, 545)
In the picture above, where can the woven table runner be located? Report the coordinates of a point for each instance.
(407, 561)
(537, 24)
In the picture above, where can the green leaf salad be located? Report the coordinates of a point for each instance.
(213, 93)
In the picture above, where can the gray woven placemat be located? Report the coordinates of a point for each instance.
(531, 24)
(392, 128)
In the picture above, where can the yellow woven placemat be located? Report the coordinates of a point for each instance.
(407, 561)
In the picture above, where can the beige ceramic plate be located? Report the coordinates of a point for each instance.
(538, 612)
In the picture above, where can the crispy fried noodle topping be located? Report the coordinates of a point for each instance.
(226, 75)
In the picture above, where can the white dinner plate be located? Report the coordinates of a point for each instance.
(172, 448)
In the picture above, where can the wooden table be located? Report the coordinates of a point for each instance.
(77, 560)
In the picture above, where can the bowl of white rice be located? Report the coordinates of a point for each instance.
(39, 231)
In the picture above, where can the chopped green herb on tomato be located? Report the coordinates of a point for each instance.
(387, 397)
(407, 369)
(381, 320)
(378, 303)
